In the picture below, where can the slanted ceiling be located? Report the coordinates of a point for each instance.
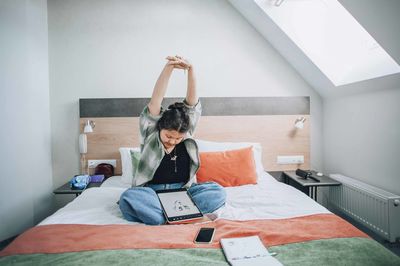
(379, 18)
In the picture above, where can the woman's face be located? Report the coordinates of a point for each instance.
(170, 138)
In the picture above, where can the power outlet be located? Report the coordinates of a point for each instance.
(94, 163)
(296, 159)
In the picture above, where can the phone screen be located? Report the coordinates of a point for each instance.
(205, 235)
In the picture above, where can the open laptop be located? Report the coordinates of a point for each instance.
(178, 206)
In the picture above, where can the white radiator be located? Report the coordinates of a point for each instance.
(375, 208)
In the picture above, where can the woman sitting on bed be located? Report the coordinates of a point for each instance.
(169, 157)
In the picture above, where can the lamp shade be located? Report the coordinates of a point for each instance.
(88, 127)
(299, 123)
(82, 143)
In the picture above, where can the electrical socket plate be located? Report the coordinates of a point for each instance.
(295, 159)
(94, 163)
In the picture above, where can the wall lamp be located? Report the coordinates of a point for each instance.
(89, 125)
(299, 123)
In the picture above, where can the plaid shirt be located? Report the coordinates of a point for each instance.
(151, 147)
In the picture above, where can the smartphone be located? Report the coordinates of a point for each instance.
(205, 235)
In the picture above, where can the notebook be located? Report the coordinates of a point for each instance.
(178, 206)
(247, 251)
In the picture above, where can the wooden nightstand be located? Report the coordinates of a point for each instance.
(309, 185)
(66, 189)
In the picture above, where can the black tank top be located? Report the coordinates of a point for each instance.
(165, 173)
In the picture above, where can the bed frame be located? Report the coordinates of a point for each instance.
(267, 120)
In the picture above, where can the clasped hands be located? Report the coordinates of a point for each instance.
(178, 62)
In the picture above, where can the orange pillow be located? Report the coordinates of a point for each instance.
(228, 168)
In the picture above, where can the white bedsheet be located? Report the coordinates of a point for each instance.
(269, 199)
(115, 181)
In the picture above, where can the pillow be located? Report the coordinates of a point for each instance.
(206, 146)
(135, 156)
(126, 163)
(228, 168)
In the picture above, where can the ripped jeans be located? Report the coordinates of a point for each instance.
(141, 204)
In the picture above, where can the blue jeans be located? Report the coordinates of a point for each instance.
(141, 204)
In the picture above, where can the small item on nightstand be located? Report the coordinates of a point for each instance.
(303, 173)
(96, 178)
(104, 169)
(306, 174)
(320, 174)
(80, 181)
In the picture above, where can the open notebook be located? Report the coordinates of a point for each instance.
(247, 251)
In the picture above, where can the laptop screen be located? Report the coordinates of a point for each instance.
(178, 204)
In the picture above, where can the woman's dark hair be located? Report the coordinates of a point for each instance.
(176, 117)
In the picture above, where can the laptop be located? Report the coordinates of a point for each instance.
(178, 206)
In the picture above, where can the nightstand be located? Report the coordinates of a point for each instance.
(310, 185)
(66, 189)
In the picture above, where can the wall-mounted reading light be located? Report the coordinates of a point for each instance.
(89, 125)
(299, 123)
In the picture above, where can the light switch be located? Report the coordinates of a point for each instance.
(295, 159)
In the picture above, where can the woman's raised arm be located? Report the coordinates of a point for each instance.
(160, 89)
(191, 93)
(162, 83)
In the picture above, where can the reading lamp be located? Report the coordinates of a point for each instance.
(89, 125)
(299, 123)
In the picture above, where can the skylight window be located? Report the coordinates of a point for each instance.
(332, 38)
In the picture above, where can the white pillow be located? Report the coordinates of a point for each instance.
(126, 163)
(206, 146)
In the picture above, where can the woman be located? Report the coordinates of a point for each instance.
(169, 156)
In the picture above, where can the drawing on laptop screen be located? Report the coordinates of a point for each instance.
(177, 204)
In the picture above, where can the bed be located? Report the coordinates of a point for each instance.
(90, 230)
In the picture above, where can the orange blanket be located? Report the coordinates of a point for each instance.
(61, 238)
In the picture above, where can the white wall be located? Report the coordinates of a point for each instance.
(117, 49)
(361, 138)
(26, 177)
(361, 131)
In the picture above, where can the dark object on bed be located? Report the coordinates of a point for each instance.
(104, 169)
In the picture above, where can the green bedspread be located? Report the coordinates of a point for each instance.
(337, 251)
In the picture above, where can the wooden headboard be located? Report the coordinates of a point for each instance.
(266, 120)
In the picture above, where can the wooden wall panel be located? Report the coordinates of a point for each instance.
(276, 134)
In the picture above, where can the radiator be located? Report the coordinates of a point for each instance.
(377, 209)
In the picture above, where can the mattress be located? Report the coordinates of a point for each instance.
(269, 199)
